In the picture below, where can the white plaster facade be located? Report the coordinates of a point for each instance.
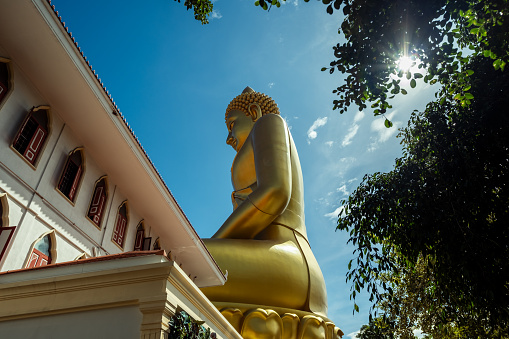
(46, 68)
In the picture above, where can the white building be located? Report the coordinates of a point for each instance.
(75, 183)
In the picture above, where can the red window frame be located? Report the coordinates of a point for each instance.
(30, 138)
(140, 236)
(6, 234)
(3, 91)
(4, 80)
(120, 226)
(70, 178)
(95, 211)
(37, 258)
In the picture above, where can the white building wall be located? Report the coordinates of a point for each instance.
(35, 205)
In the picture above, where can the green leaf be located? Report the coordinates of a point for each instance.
(497, 63)
(356, 307)
(403, 91)
(417, 75)
(324, 69)
(257, 3)
(469, 72)
(412, 83)
(469, 96)
(388, 123)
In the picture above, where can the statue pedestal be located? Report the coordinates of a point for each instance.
(253, 322)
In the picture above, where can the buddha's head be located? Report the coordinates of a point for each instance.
(243, 112)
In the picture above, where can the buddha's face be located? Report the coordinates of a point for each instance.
(239, 126)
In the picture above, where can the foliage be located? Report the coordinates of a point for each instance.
(376, 329)
(182, 326)
(440, 37)
(446, 200)
(201, 8)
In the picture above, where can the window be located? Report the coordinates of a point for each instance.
(41, 253)
(140, 236)
(98, 202)
(81, 256)
(141, 243)
(120, 225)
(6, 231)
(4, 80)
(157, 244)
(70, 178)
(32, 134)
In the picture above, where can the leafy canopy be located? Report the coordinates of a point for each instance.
(201, 8)
(446, 200)
(439, 37)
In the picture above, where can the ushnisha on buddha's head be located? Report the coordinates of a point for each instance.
(254, 104)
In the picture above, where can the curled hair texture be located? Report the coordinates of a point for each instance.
(244, 100)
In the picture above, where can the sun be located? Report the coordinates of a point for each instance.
(405, 63)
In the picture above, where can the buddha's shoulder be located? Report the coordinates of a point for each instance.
(271, 120)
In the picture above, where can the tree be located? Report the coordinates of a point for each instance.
(201, 8)
(446, 200)
(376, 329)
(439, 36)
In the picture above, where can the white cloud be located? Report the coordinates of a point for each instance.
(215, 15)
(271, 84)
(312, 130)
(329, 143)
(353, 335)
(343, 190)
(293, 2)
(334, 214)
(352, 131)
(358, 116)
(351, 180)
(383, 133)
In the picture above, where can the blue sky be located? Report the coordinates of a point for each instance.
(173, 78)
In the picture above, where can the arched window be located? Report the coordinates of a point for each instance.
(120, 225)
(33, 133)
(6, 231)
(42, 252)
(157, 244)
(81, 256)
(98, 202)
(71, 175)
(4, 80)
(140, 237)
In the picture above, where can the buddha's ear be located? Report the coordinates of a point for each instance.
(255, 111)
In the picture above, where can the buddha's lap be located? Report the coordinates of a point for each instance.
(261, 272)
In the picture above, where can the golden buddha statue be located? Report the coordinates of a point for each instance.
(272, 273)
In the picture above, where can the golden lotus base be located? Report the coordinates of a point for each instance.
(260, 323)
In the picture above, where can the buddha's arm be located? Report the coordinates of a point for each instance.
(273, 175)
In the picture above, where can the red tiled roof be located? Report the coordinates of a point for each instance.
(89, 260)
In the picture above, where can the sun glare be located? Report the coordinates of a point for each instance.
(404, 63)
